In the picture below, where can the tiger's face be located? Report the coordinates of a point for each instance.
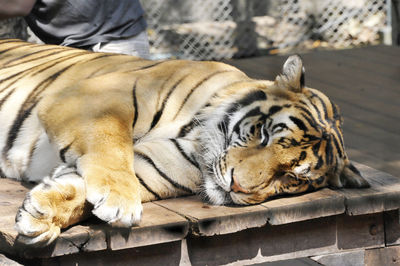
(279, 139)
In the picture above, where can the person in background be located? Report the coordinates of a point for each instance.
(116, 26)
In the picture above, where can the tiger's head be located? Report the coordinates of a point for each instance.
(274, 138)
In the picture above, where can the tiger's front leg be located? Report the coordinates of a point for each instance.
(94, 133)
(112, 188)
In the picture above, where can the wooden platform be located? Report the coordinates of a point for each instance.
(322, 222)
(329, 224)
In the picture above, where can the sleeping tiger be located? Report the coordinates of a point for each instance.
(102, 133)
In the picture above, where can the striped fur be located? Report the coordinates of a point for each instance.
(195, 127)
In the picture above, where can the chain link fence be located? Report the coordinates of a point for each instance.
(218, 29)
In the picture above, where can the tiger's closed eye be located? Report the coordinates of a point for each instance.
(279, 128)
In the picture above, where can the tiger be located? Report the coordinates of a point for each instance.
(102, 133)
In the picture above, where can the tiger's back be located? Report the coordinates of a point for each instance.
(166, 94)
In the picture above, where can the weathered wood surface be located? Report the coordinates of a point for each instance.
(382, 196)
(389, 256)
(214, 220)
(175, 219)
(318, 204)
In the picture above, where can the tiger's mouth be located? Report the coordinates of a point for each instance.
(222, 188)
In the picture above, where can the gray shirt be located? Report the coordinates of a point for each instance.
(83, 23)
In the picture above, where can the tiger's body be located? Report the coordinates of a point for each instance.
(114, 131)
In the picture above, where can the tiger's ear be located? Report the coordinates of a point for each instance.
(292, 76)
(350, 178)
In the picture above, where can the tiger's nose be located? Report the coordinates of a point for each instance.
(235, 186)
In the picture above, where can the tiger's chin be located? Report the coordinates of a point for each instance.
(214, 194)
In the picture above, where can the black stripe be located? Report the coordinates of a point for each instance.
(6, 64)
(311, 122)
(319, 163)
(187, 128)
(298, 123)
(340, 136)
(198, 84)
(317, 109)
(28, 71)
(282, 125)
(311, 138)
(303, 155)
(253, 112)
(158, 114)
(27, 107)
(63, 151)
(161, 173)
(147, 187)
(61, 59)
(146, 67)
(3, 41)
(274, 109)
(336, 113)
(4, 99)
(310, 118)
(338, 147)
(315, 148)
(32, 150)
(15, 128)
(135, 105)
(324, 107)
(252, 97)
(248, 99)
(328, 152)
(16, 47)
(182, 152)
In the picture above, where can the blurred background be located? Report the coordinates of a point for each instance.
(223, 29)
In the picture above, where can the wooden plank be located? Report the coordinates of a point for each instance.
(392, 228)
(12, 194)
(377, 54)
(309, 206)
(341, 88)
(168, 254)
(362, 231)
(383, 256)
(76, 239)
(353, 258)
(158, 225)
(384, 194)
(383, 161)
(269, 243)
(211, 220)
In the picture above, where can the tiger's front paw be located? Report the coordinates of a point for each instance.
(54, 204)
(116, 208)
(34, 219)
(35, 228)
